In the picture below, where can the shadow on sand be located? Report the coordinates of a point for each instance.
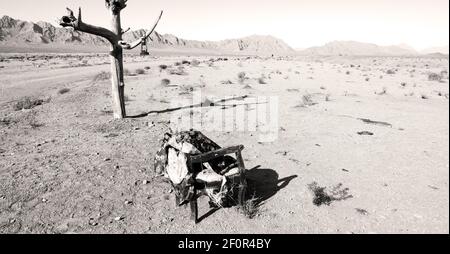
(263, 183)
(200, 105)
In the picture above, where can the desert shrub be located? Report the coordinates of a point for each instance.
(5, 121)
(165, 82)
(242, 76)
(226, 82)
(140, 71)
(390, 72)
(307, 100)
(195, 62)
(434, 77)
(262, 80)
(383, 92)
(63, 90)
(102, 76)
(27, 103)
(187, 89)
(250, 207)
(162, 67)
(178, 71)
(31, 120)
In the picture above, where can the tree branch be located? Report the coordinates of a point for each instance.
(70, 21)
(125, 31)
(132, 45)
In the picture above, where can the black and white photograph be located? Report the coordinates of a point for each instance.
(205, 117)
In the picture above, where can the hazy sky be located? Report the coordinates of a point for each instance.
(301, 23)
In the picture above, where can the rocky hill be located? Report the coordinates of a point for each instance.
(353, 48)
(14, 31)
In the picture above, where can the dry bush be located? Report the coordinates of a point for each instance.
(165, 82)
(102, 76)
(27, 103)
(242, 76)
(5, 121)
(178, 71)
(63, 90)
(250, 207)
(390, 72)
(226, 82)
(186, 89)
(307, 100)
(383, 92)
(195, 62)
(434, 77)
(262, 80)
(140, 71)
(31, 120)
(162, 67)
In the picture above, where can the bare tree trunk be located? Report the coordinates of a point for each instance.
(116, 55)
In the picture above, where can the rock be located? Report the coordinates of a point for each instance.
(365, 133)
(119, 218)
(144, 182)
(107, 159)
(92, 222)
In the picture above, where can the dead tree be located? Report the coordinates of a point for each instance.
(114, 36)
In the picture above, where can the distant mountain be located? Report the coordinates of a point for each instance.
(14, 31)
(353, 48)
(442, 50)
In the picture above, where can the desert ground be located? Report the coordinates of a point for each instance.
(372, 131)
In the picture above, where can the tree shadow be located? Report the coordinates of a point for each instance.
(199, 105)
(264, 183)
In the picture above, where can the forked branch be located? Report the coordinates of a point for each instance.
(71, 21)
(132, 45)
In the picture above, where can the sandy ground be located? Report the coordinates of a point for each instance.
(67, 167)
